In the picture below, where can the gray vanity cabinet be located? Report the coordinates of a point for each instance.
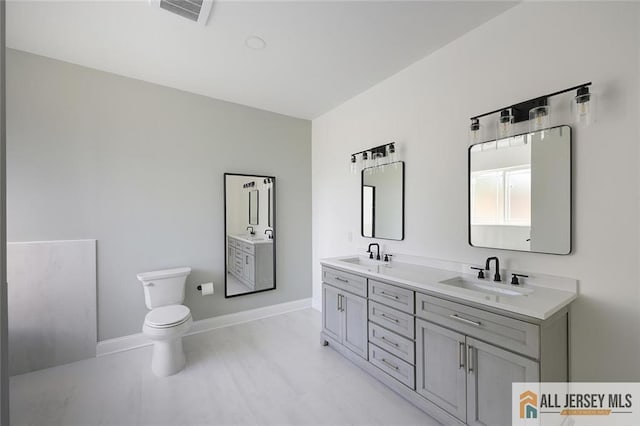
(345, 318)
(453, 360)
(491, 371)
(441, 367)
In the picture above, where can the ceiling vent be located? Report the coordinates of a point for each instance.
(194, 10)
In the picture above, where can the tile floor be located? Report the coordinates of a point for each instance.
(267, 372)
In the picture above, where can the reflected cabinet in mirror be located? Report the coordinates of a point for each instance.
(382, 201)
(249, 233)
(520, 192)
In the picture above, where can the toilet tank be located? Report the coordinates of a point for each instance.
(165, 287)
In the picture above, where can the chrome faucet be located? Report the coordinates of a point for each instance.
(377, 251)
(496, 276)
(271, 233)
(252, 232)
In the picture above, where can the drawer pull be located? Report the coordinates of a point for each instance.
(466, 321)
(389, 295)
(395, 367)
(390, 341)
(390, 317)
(344, 280)
(461, 354)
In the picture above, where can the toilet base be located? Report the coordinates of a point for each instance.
(168, 354)
(168, 357)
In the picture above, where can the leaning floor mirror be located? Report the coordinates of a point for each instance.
(250, 234)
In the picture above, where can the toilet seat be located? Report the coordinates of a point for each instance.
(167, 316)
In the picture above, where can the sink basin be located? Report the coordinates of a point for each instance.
(362, 261)
(487, 287)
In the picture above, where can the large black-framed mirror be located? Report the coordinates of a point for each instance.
(250, 234)
(382, 202)
(520, 192)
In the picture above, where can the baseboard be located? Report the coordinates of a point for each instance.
(138, 340)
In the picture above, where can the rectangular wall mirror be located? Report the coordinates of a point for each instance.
(520, 192)
(250, 234)
(382, 202)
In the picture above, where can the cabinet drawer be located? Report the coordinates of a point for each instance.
(391, 342)
(249, 248)
(346, 281)
(232, 242)
(393, 366)
(391, 295)
(390, 318)
(515, 335)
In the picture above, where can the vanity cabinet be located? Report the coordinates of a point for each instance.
(456, 361)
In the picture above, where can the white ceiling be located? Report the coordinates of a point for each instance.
(318, 54)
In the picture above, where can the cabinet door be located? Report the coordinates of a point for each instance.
(331, 314)
(440, 367)
(491, 371)
(354, 333)
(231, 257)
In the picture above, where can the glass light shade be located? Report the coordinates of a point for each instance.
(354, 165)
(392, 156)
(584, 108)
(475, 132)
(505, 124)
(539, 118)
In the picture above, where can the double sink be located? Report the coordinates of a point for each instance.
(463, 282)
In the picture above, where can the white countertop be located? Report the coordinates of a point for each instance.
(252, 239)
(542, 302)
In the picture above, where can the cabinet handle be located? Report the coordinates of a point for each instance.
(342, 302)
(344, 280)
(246, 259)
(466, 321)
(470, 359)
(389, 317)
(461, 354)
(390, 341)
(389, 295)
(395, 367)
(338, 299)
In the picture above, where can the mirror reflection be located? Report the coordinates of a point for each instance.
(250, 234)
(382, 196)
(520, 192)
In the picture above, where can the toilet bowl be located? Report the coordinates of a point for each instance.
(168, 319)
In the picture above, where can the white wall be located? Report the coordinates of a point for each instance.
(426, 108)
(139, 167)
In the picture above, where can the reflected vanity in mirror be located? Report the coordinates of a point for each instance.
(249, 234)
(520, 192)
(382, 201)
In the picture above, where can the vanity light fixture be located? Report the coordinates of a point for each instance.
(537, 111)
(584, 106)
(373, 157)
(267, 183)
(249, 185)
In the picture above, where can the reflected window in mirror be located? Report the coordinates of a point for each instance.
(520, 192)
(382, 201)
(250, 235)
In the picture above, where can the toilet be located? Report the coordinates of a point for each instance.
(168, 319)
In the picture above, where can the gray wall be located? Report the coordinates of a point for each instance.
(140, 168)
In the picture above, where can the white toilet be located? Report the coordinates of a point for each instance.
(168, 320)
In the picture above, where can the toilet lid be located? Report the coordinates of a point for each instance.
(167, 316)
